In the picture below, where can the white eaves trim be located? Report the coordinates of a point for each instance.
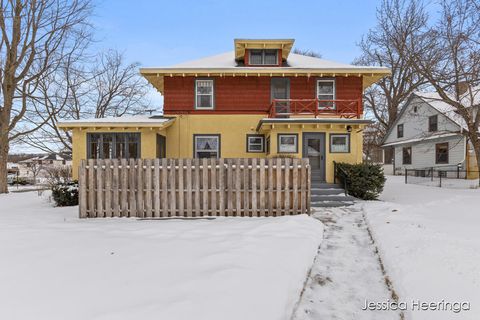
(438, 136)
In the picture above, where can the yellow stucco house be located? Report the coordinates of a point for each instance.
(258, 100)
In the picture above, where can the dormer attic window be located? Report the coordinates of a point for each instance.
(263, 57)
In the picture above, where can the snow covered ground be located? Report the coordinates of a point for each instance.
(429, 240)
(55, 266)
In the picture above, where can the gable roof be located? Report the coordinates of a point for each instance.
(224, 64)
(433, 100)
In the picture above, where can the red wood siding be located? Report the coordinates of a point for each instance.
(247, 94)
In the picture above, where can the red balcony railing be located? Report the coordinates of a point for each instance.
(284, 108)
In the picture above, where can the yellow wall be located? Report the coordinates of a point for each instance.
(233, 130)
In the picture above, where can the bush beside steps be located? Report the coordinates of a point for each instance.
(364, 180)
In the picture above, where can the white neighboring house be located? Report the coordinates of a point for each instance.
(36, 167)
(428, 133)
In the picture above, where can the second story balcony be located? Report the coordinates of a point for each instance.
(286, 108)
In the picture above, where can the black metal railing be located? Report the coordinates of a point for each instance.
(436, 176)
(340, 176)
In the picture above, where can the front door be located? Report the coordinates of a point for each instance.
(314, 150)
(280, 89)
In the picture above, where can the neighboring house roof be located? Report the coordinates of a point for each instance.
(432, 137)
(138, 120)
(225, 64)
(434, 100)
(50, 156)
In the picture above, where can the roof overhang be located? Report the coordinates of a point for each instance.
(88, 124)
(242, 44)
(267, 124)
(156, 75)
(415, 140)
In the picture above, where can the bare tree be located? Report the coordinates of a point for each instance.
(104, 87)
(36, 37)
(307, 52)
(35, 168)
(399, 23)
(448, 56)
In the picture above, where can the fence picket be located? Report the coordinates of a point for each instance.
(186, 187)
(115, 189)
(108, 189)
(188, 168)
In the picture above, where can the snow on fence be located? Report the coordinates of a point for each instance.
(154, 188)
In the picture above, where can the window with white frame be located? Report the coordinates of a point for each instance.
(206, 146)
(263, 57)
(287, 143)
(204, 94)
(255, 143)
(326, 91)
(339, 143)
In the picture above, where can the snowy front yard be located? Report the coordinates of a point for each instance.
(55, 266)
(429, 240)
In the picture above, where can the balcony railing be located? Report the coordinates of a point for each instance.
(284, 108)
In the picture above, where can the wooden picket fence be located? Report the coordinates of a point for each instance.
(156, 188)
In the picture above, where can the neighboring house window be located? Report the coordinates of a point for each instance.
(400, 131)
(267, 145)
(204, 94)
(206, 146)
(326, 91)
(433, 123)
(287, 143)
(339, 143)
(263, 57)
(113, 145)
(441, 153)
(255, 143)
(407, 155)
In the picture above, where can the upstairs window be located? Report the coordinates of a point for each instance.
(433, 123)
(204, 94)
(263, 57)
(326, 93)
(400, 131)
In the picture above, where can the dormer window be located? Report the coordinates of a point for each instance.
(263, 57)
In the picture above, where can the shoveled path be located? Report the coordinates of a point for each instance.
(346, 271)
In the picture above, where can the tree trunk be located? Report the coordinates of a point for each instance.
(4, 148)
(476, 147)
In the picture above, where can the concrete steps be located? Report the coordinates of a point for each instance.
(329, 195)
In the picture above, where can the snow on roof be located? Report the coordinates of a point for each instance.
(227, 60)
(434, 100)
(471, 95)
(432, 137)
(122, 119)
(137, 119)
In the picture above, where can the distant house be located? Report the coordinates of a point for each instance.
(51, 159)
(429, 133)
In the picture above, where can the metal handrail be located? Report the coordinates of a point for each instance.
(341, 174)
